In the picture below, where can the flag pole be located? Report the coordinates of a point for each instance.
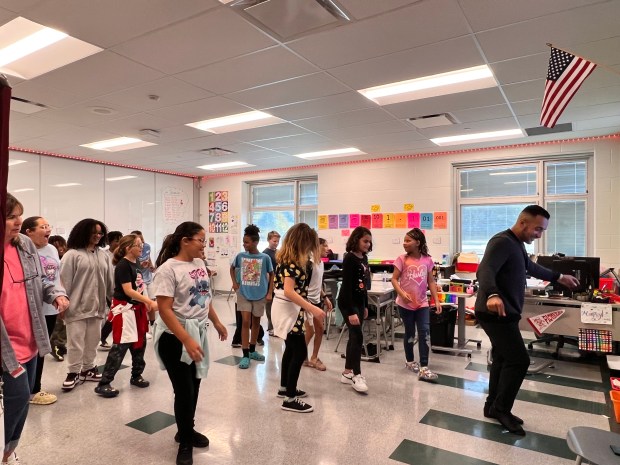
(608, 68)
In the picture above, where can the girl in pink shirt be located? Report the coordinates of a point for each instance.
(411, 279)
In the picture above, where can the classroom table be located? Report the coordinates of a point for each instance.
(462, 341)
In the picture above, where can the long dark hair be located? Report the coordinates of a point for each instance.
(29, 223)
(417, 235)
(356, 237)
(79, 237)
(172, 242)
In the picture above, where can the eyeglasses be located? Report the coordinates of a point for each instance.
(26, 278)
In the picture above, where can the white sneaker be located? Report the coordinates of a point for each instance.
(347, 378)
(359, 383)
(413, 366)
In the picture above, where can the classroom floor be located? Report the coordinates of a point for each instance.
(400, 420)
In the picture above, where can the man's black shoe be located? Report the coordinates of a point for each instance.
(487, 414)
(198, 440)
(507, 422)
(184, 456)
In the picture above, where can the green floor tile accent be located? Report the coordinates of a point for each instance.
(543, 398)
(153, 422)
(494, 432)
(101, 367)
(415, 453)
(231, 360)
(550, 379)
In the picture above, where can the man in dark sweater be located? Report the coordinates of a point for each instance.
(501, 276)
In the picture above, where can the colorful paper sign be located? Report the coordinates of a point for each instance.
(377, 221)
(388, 220)
(413, 220)
(354, 220)
(365, 221)
(401, 221)
(426, 220)
(218, 212)
(375, 208)
(345, 232)
(598, 314)
(333, 221)
(323, 222)
(343, 221)
(440, 220)
(408, 207)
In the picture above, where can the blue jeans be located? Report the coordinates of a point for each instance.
(16, 402)
(421, 319)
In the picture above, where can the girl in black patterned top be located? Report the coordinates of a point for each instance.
(288, 309)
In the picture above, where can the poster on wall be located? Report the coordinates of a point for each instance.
(174, 205)
(218, 212)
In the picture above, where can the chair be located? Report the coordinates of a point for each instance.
(593, 445)
(332, 291)
(549, 338)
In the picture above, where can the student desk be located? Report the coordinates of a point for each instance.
(462, 341)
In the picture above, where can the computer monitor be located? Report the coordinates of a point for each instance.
(585, 269)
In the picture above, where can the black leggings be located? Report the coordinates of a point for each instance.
(184, 382)
(50, 322)
(354, 345)
(293, 358)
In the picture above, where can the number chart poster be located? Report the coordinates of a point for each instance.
(218, 212)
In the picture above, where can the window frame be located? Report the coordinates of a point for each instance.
(540, 198)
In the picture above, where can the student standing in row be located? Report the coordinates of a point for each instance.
(252, 279)
(316, 296)
(58, 339)
(86, 272)
(353, 303)
(113, 238)
(128, 317)
(289, 307)
(180, 336)
(273, 239)
(412, 277)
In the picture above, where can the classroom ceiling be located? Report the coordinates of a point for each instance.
(203, 59)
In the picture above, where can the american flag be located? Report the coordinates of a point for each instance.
(565, 75)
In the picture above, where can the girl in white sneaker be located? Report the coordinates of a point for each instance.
(411, 279)
(353, 303)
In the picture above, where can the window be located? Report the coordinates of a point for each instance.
(278, 205)
(490, 198)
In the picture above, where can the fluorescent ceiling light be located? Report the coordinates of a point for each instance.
(478, 137)
(452, 82)
(509, 173)
(28, 49)
(118, 144)
(25, 189)
(67, 184)
(13, 162)
(225, 166)
(238, 122)
(348, 152)
(120, 178)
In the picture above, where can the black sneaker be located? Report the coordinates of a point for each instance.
(70, 381)
(91, 375)
(235, 345)
(106, 390)
(297, 405)
(57, 354)
(260, 342)
(298, 393)
(184, 456)
(139, 381)
(198, 440)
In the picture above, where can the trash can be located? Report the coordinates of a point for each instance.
(442, 327)
(615, 399)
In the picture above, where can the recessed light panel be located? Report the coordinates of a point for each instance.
(478, 137)
(225, 166)
(238, 122)
(336, 153)
(452, 82)
(120, 178)
(118, 144)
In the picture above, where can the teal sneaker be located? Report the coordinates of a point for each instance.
(257, 356)
(244, 363)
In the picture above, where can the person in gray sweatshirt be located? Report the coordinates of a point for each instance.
(86, 272)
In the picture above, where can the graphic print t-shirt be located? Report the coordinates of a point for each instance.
(127, 272)
(253, 274)
(188, 284)
(414, 280)
(51, 270)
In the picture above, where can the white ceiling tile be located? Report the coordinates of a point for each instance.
(329, 105)
(267, 66)
(293, 90)
(482, 114)
(129, 126)
(488, 14)
(97, 75)
(200, 110)
(521, 69)
(343, 120)
(524, 90)
(398, 30)
(410, 64)
(586, 24)
(409, 140)
(106, 23)
(268, 132)
(598, 123)
(364, 8)
(71, 137)
(472, 127)
(19, 6)
(35, 126)
(82, 113)
(216, 35)
(527, 107)
(290, 141)
(386, 127)
(40, 143)
(39, 92)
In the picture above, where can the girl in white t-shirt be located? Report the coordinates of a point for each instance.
(184, 300)
(412, 277)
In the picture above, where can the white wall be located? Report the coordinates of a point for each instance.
(427, 183)
(150, 202)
